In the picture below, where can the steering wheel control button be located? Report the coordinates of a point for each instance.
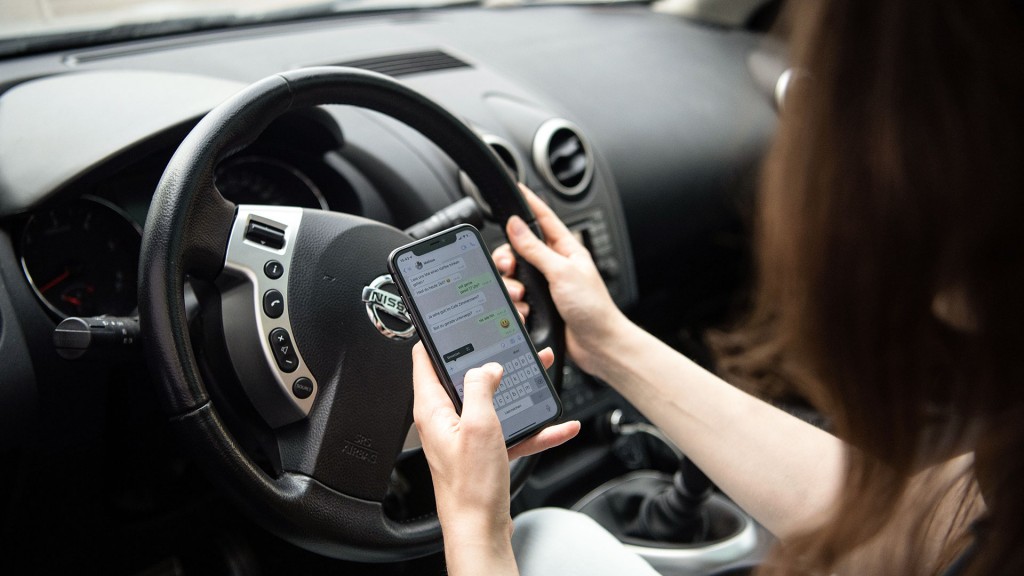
(264, 235)
(302, 388)
(273, 304)
(284, 350)
(273, 269)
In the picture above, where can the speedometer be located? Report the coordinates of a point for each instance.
(82, 258)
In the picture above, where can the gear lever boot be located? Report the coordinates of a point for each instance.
(678, 513)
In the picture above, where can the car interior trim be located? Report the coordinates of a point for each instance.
(542, 152)
(247, 325)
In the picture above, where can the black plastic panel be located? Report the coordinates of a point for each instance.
(18, 397)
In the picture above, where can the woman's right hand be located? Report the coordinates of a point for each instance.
(591, 317)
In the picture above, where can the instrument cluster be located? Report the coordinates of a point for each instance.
(81, 257)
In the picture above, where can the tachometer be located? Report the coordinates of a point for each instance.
(82, 258)
(267, 181)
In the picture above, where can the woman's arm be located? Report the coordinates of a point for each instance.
(470, 465)
(783, 471)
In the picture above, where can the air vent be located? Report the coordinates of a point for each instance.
(408, 63)
(508, 155)
(563, 158)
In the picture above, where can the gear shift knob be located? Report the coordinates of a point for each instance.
(691, 481)
(677, 514)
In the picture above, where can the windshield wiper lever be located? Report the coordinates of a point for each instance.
(74, 336)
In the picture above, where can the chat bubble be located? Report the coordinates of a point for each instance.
(500, 319)
(477, 299)
(435, 284)
(475, 283)
(493, 314)
(449, 267)
(455, 319)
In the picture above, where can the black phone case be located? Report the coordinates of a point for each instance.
(428, 343)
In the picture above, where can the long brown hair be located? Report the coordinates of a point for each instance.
(890, 239)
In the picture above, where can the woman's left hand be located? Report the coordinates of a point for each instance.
(467, 456)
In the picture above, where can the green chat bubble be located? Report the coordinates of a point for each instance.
(501, 321)
(485, 318)
(473, 284)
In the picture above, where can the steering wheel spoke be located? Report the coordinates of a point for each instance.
(341, 449)
(204, 226)
(254, 288)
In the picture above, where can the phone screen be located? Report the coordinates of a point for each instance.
(465, 315)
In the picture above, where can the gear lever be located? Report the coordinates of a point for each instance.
(678, 523)
(677, 514)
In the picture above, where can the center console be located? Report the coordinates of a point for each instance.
(677, 522)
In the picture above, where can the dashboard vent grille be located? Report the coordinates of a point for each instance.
(563, 157)
(408, 63)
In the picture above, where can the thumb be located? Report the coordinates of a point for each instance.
(478, 388)
(530, 247)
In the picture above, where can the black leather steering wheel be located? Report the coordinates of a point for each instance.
(340, 430)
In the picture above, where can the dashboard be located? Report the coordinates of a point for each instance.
(642, 130)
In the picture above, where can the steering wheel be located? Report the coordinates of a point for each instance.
(296, 287)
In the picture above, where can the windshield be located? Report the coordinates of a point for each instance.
(28, 26)
(33, 25)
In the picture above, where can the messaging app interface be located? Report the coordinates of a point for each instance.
(471, 324)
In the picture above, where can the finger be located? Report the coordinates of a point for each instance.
(429, 396)
(504, 260)
(479, 387)
(524, 310)
(547, 357)
(516, 289)
(547, 438)
(527, 245)
(555, 231)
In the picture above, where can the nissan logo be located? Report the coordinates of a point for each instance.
(381, 304)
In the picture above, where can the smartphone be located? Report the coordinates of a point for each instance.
(465, 318)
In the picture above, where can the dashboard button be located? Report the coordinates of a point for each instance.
(284, 350)
(273, 269)
(302, 388)
(273, 303)
(264, 235)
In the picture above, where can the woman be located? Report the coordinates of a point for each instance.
(890, 271)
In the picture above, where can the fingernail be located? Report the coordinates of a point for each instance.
(517, 226)
(493, 368)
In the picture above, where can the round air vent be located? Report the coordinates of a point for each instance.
(563, 157)
(508, 155)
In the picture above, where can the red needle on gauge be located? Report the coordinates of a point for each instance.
(55, 281)
(71, 300)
